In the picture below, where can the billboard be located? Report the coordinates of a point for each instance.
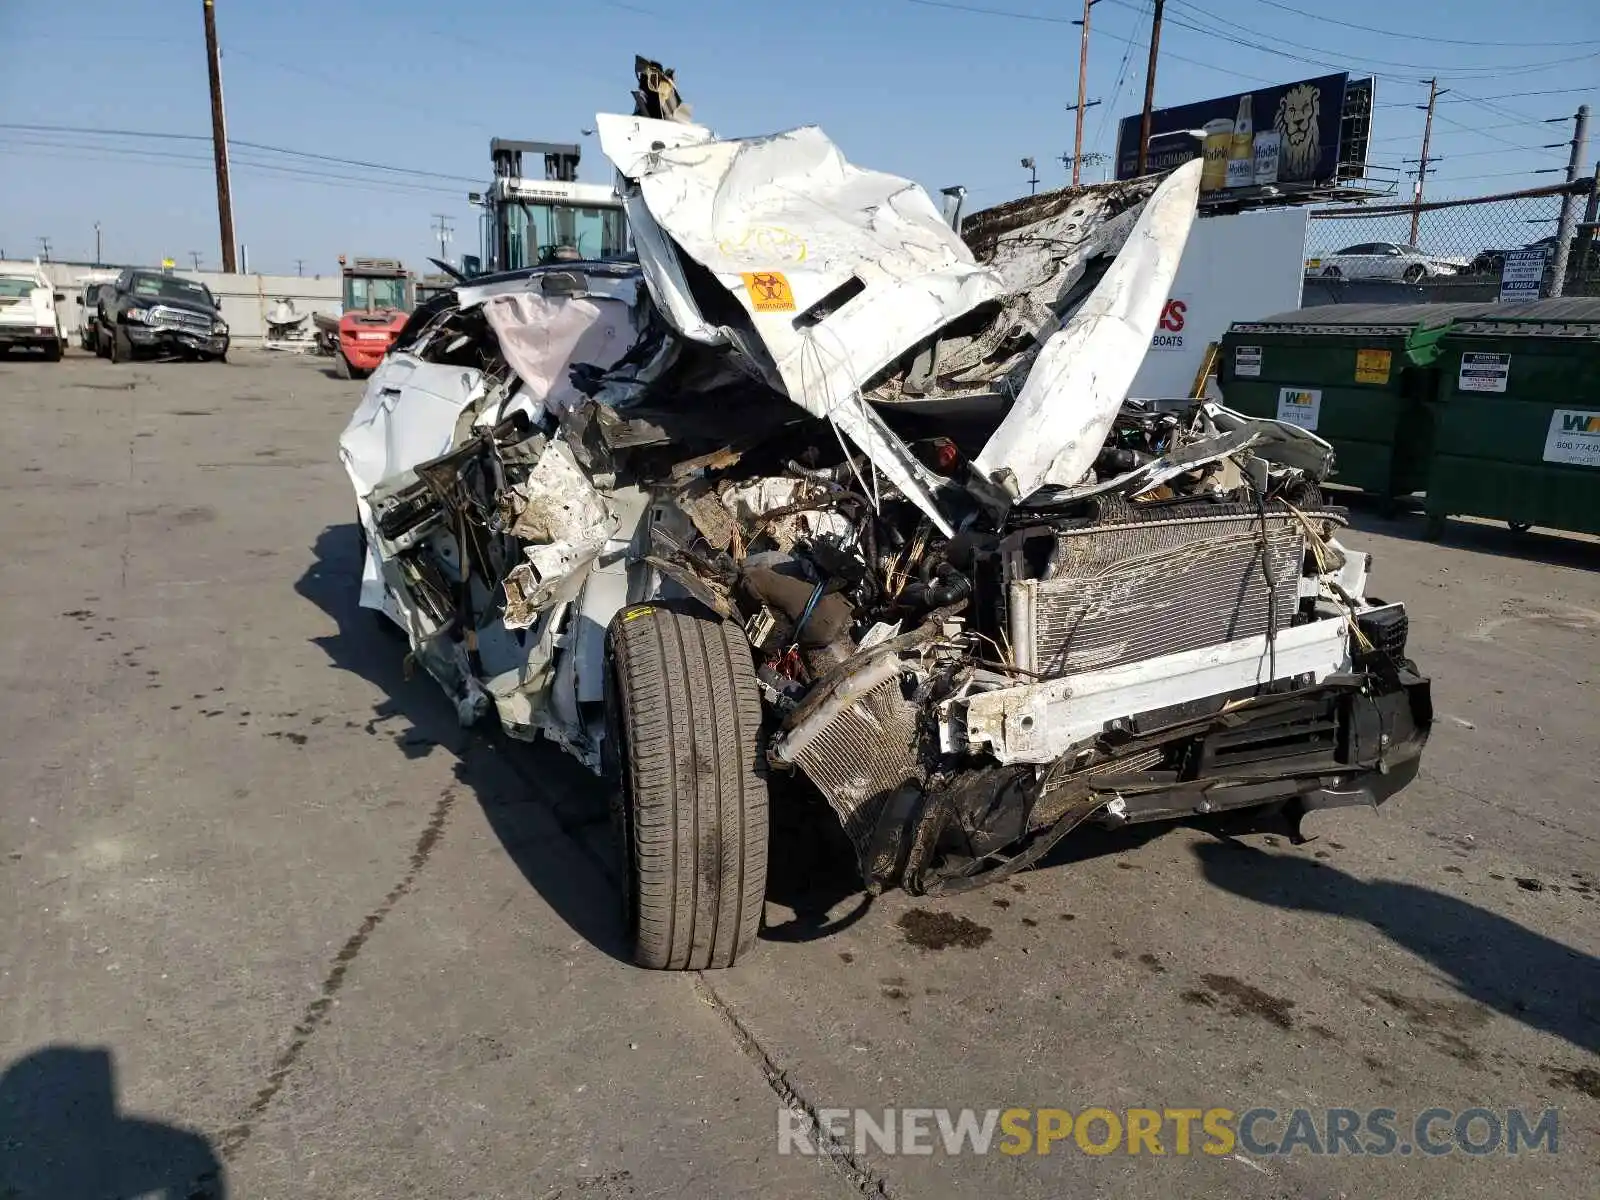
(1294, 133)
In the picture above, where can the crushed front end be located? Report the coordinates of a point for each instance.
(987, 598)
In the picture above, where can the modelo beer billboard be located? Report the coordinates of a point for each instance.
(1296, 133)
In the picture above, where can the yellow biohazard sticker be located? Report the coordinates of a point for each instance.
(1372, 366)
(769, 291)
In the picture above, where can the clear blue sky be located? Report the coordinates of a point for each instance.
(917, 87)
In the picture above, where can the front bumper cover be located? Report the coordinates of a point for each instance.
(177, 340)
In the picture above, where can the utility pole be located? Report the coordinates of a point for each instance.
(1029, 165)
(1422, 163)
(1083, 79)
(1586, 228)
(44, 245)
(97, 243)
(1569, 200)
(299, 266)
(194, 257)
(1150, 84)
(444, 231)
(219, 139)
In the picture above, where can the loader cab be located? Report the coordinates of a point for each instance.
(551, 216)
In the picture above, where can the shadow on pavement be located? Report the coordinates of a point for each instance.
(1536, 545)
(1491, 959)
(530, 794)
(63, 1139)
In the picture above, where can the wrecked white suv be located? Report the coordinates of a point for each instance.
(820, 485)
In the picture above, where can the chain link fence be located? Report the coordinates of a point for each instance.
(1455, 249)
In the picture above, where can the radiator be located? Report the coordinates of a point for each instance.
(1123, 592)
(859, 748)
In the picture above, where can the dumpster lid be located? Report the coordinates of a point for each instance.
(1369, 320)
(1567, 316)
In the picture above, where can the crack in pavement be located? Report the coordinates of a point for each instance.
(856, 1172)
(233, 1139)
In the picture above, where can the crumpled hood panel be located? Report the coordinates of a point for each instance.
(1059, 422)
(784, 223)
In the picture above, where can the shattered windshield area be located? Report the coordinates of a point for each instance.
(172, 287)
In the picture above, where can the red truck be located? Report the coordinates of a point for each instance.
(378, 296)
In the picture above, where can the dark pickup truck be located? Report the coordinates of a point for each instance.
(151, 311)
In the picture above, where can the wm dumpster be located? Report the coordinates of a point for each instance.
(1357, 375)
(1516, 417)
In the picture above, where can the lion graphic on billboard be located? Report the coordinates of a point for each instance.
(1298, 118)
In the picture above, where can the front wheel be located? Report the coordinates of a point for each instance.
(121, 347)
(1414, 273)
(684, 727)
(1331, 272)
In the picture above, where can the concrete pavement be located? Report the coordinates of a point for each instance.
(277, 927)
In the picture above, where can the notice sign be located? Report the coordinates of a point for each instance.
(1574, 437)
(1372, 366)
(1299, 406)
(1521, 276)
(1484, 372)
(1247, 362)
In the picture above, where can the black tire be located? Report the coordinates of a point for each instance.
(1415, 273)
(101, 349)
(342, 366)
(52, 352)
(1331, 272)
(1519, 526)
(121, 347)
(684, 727)
(220, 358)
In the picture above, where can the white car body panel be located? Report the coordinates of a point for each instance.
(1059, 422)
(408, 415)
(789, 210)
(1038, 723)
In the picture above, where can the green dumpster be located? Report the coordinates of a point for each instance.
(1517, 417)
(1357, 375)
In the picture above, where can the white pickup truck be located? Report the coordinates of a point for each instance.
(28, 313)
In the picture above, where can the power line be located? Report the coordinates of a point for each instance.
(1484, 129)
(1460, 72)
(1414, 37)
(170, 160)
(195, 137)
(992, 12)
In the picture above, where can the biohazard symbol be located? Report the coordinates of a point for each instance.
(769, 291)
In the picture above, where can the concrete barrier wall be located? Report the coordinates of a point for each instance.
(245, 299)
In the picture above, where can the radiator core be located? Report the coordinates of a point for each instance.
(1124, 592)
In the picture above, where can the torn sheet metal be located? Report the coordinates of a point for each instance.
(1049, 251)
(566, 523)
(1060, 420)
(841, 270)
(407, 416)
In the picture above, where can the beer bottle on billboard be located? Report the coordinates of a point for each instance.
(1214, 169)
(1242, 148)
